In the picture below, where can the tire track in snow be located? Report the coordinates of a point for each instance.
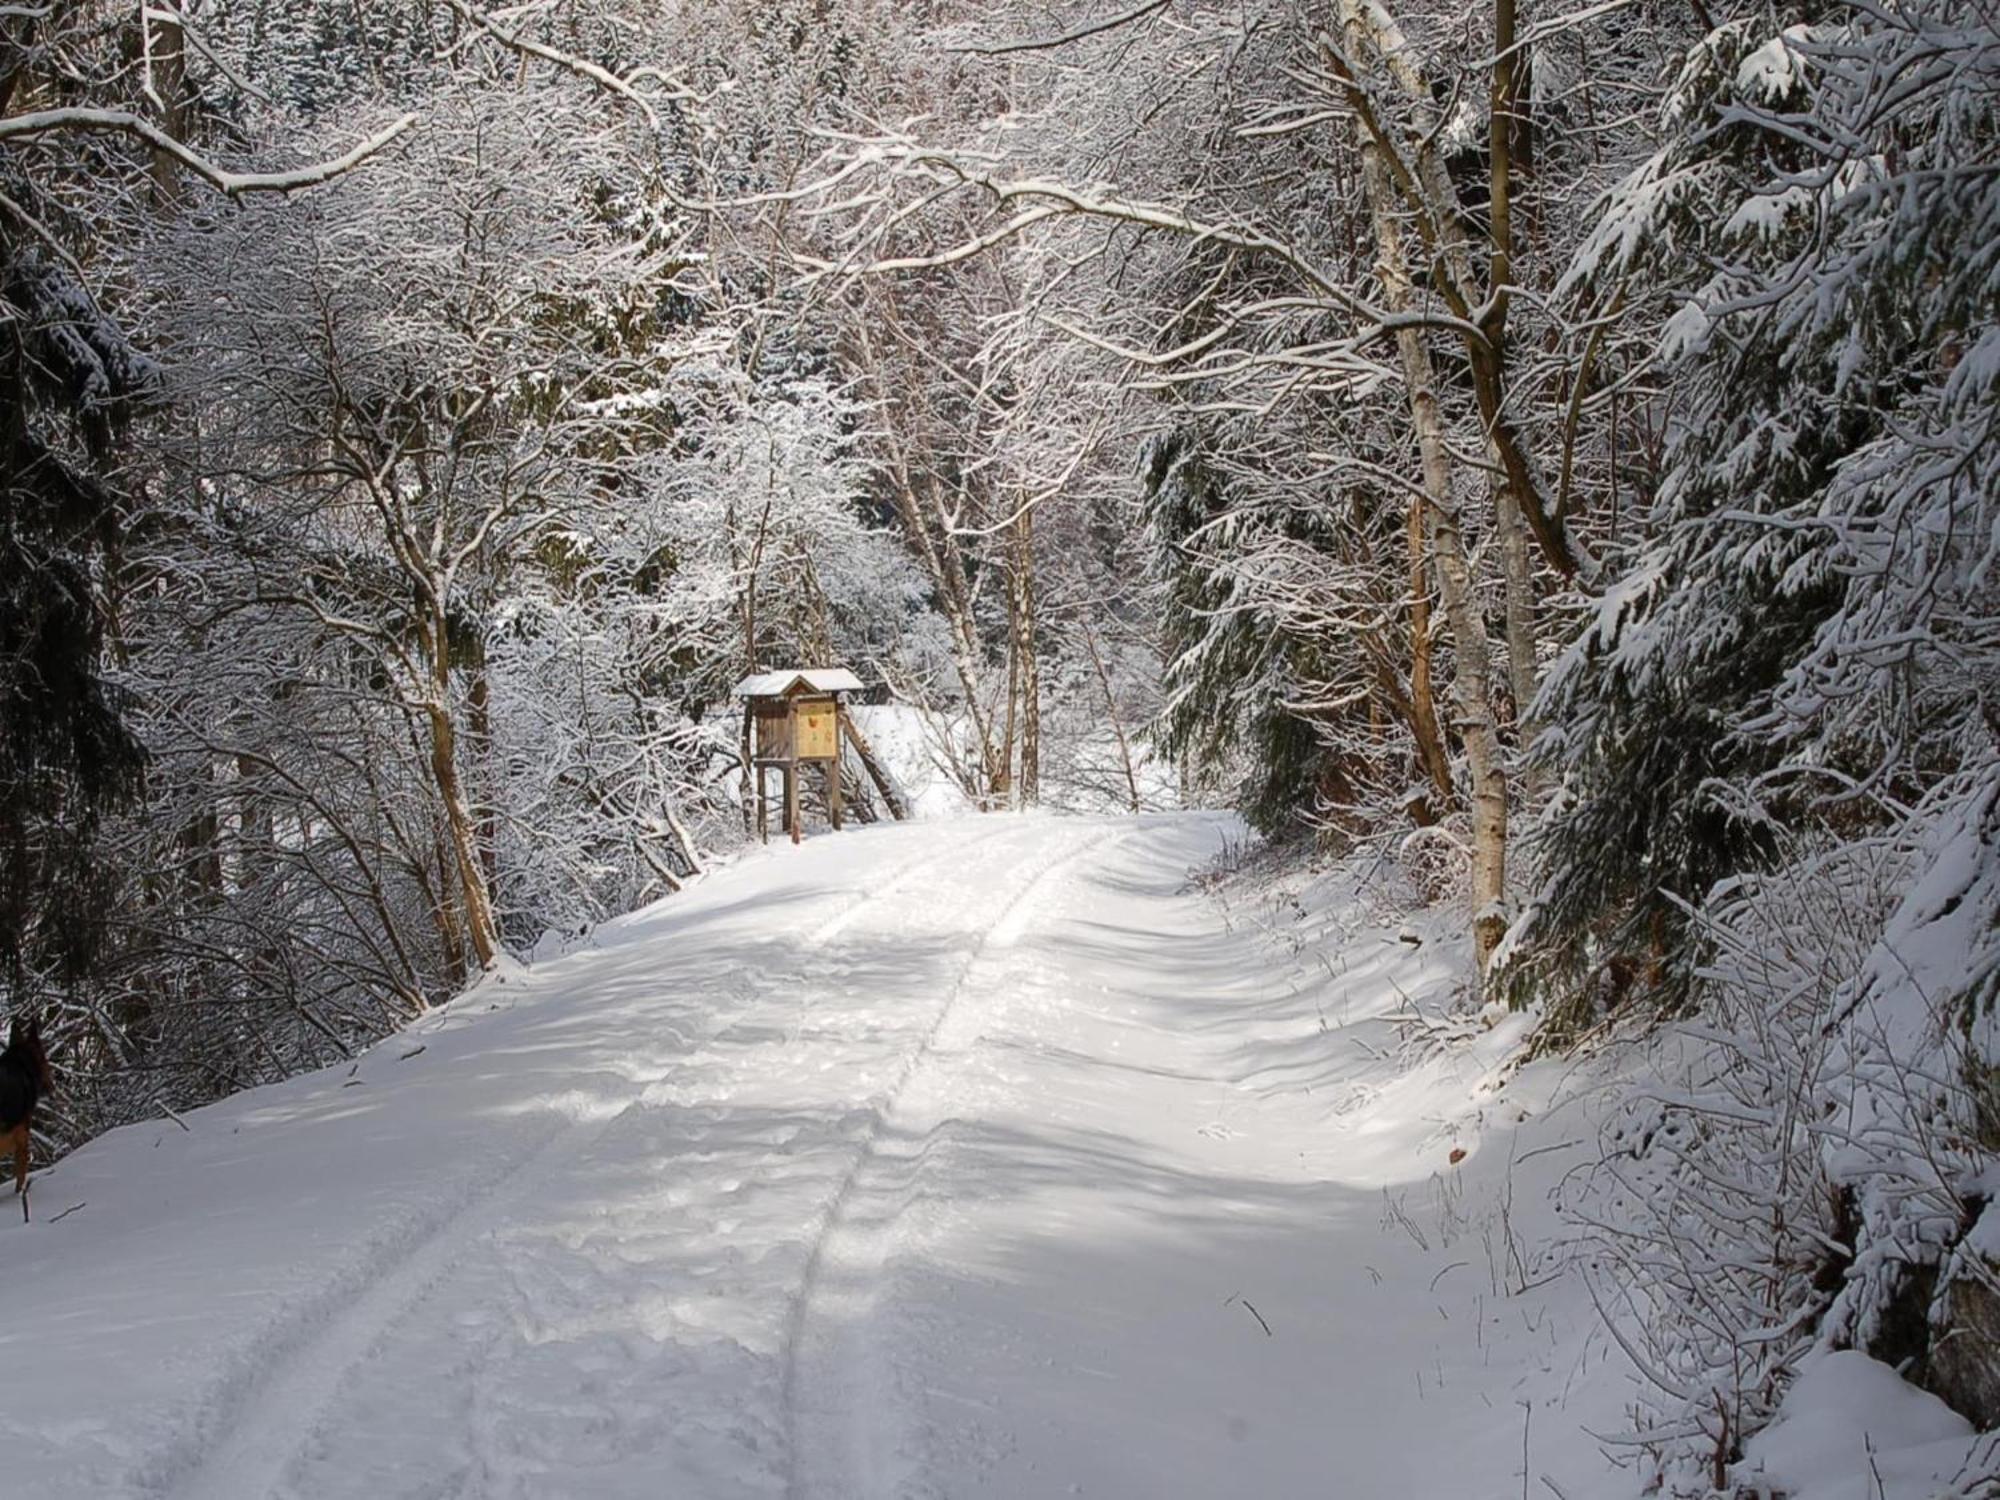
(899, 878)
(295, 1371)
(269, 1430)
(833, 1426)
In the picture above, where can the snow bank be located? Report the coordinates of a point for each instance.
(1850, 1428)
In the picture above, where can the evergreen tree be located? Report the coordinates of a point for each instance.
(1236, 676)
(1798, 642)
(69, 381)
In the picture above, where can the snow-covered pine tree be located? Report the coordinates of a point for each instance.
(69, 383)
(1789, 641)
(1778, 735)
(1251, 707)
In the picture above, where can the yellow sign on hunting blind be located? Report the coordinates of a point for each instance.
(817, 736)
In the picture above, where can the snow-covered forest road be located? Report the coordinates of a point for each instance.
(983, 1157)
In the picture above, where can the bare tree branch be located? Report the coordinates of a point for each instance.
(123, 122)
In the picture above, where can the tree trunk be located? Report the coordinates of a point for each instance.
(1425, 186)
(475, 898)
(948, 565)
(166, 59)
(444, 908)
(1022, 592)
(1511, 498)
(877, 772)
(944, 566)
(1517, 571)
(1005, 787)
(1111, 713)
(1431, 749)
(683, 839)
(1472, 694)
(938, 553)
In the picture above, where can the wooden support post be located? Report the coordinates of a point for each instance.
(877, 773)
(833, 785)
(854, 791)
(792, 798)
(747, 747)
(763, 827)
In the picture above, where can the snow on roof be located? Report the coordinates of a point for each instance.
(819, 679)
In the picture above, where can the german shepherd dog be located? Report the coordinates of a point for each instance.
(24, 1078)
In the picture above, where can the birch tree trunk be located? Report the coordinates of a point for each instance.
(946, 567)
(1472, 693)
(1509, 497)
(1415, 170)
(1517, 573)
(1431, 750)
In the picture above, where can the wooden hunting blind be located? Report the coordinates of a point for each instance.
(796, 718)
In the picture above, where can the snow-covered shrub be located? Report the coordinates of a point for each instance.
(766, 551)
(1806, 1155)
(1777, 735)
(596, 762)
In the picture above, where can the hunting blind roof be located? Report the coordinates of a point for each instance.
(817, 679)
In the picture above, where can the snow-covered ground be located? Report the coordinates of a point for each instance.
(958, 1158)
